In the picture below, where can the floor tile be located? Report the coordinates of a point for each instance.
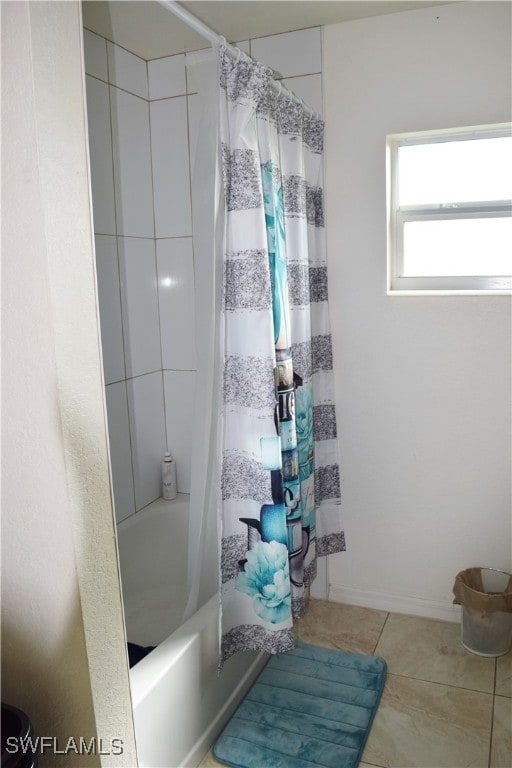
(427, 649)
(501, 749)
(342, 627)
(209, 761)
(437, 705)
(421, 724)
(504, 675)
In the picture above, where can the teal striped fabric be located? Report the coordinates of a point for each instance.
(310, 707)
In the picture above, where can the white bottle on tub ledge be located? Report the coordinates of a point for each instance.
(169, 487)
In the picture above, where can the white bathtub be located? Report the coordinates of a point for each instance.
(180, 704)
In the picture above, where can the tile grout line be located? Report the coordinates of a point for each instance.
(155, 256)
(144, 237)
(437, 682)
(193, 218)
(108, 40)
(150, 373)
(381, 631)
(131, 437)
(491, 732)
(119, 87)
(492, 711)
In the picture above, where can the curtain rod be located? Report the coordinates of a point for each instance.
(216, 40)
(196, 24)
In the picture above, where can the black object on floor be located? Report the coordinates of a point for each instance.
(16, 732)
(137, 652)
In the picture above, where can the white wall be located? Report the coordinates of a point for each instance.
(63, 650)
(423, 383)
(143, 122)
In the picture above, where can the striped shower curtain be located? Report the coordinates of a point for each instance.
(279, 494)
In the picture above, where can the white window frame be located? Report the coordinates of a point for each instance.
(397, 216)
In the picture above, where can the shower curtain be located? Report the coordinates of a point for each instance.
(276, 468)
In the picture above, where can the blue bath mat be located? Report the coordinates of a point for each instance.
(310, 707)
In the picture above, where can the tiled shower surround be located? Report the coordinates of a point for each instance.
(143, 119)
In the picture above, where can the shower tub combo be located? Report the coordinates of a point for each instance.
(180, 703)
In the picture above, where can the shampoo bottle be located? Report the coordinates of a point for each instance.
(169, 488)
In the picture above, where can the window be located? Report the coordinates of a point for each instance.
(450, 211)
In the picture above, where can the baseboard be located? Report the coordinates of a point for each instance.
(207, 738)
(414, 606)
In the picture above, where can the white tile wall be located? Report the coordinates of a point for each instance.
(292, 53)
(139, 302)
(132, 164)
(109, 297)
(245, 46)
(95, 55)
(190, 58)
(194, 117)
(167, 77)
(171, 178)
(147, 426)
(308, 88)
(100, 144)
(179, 388)
(120, 450)
(127, 71)
(176, 295)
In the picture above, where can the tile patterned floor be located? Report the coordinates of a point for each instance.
(442, 707)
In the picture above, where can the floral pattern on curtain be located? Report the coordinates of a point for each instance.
(280, 498)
